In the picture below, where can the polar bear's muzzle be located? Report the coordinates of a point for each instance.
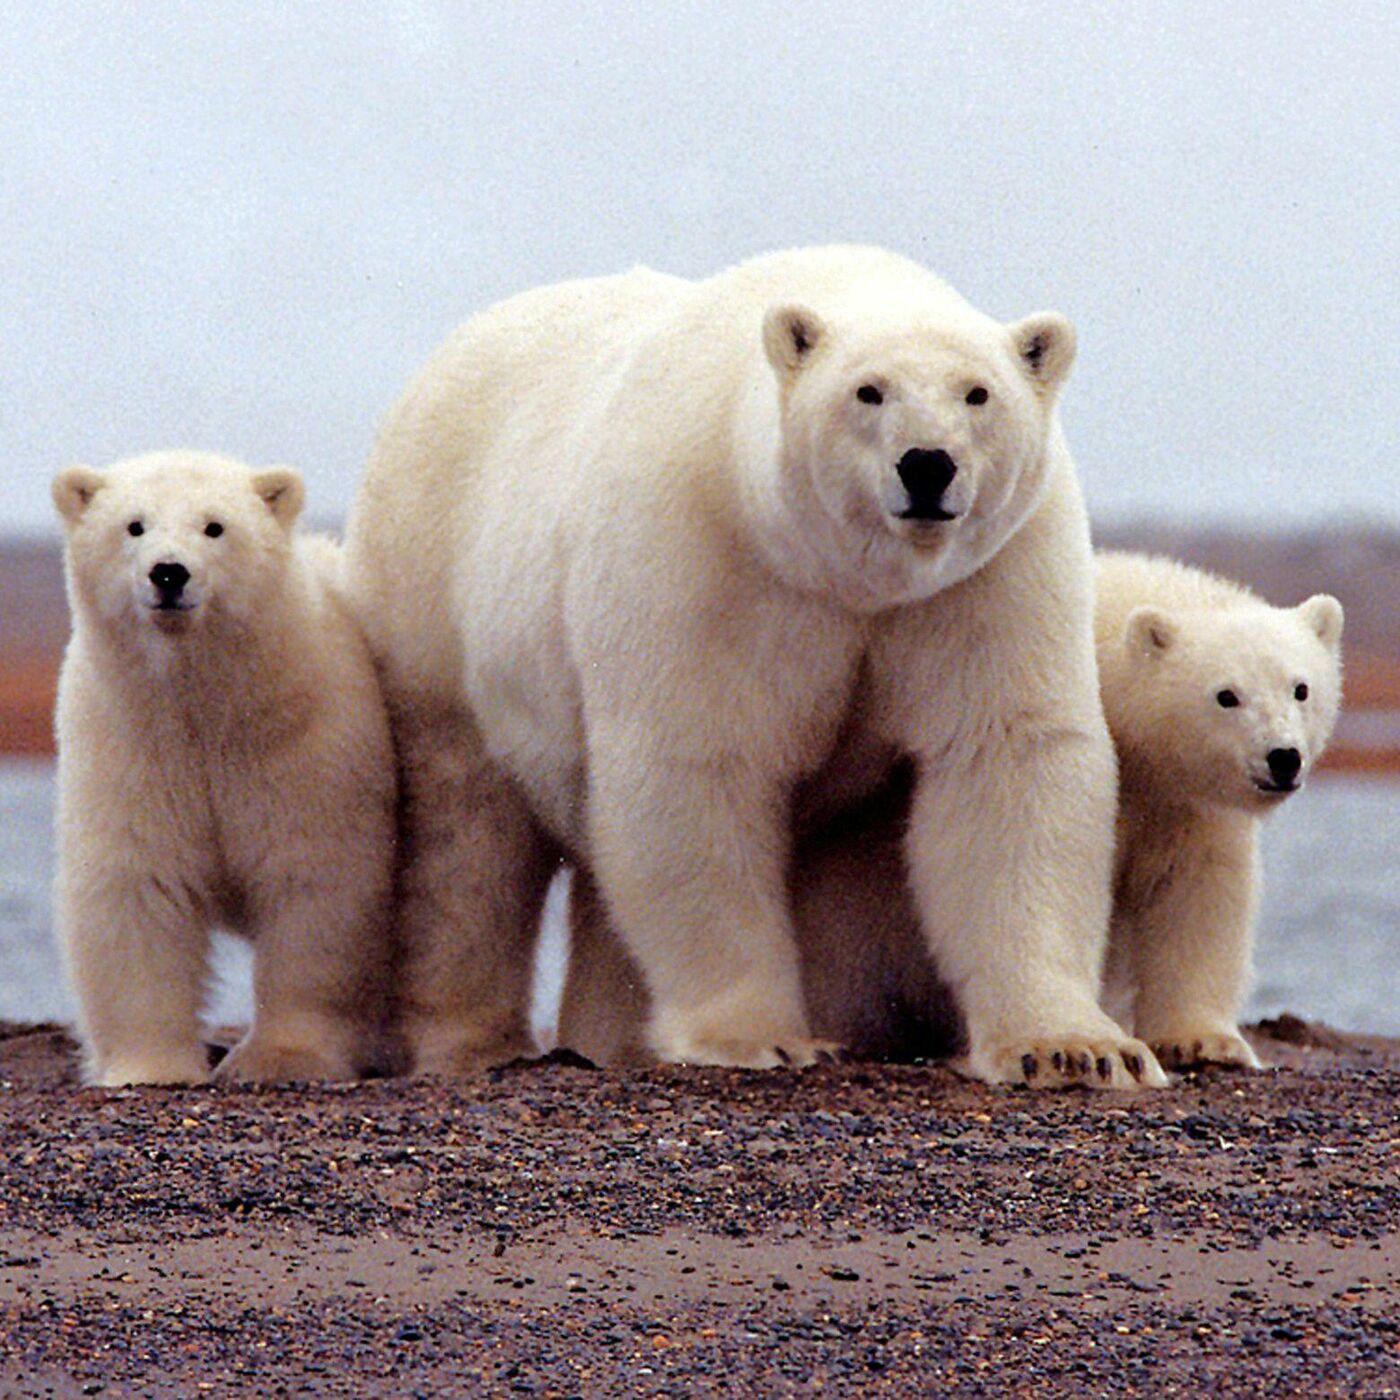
(926, 474)
(1285, 772)
(168, 582)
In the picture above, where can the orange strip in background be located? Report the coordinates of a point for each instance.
(26, 707)
(27, 690)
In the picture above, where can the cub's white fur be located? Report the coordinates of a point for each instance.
(1196, 777)
(657, 572)
(224, 758)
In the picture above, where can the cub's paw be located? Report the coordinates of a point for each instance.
(1205, 1047)
(786, 1052)
(172, 1067)
(1057, 1062)
(254, 1061)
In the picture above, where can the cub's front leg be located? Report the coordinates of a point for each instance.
(136, 944)
(1185, 924)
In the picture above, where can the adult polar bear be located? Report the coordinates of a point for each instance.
(657, 570)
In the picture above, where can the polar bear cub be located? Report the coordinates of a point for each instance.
(224, 759)
(657, 572)
(1219, 705)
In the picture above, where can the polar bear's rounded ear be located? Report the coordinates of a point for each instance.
(1045, 345)
(1323, 613)
(790, 334)
(1150, 632)
(283, 492)
(73, 489)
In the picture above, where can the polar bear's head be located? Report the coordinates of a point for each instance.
(172, 542)
(922, 440)
(1235, 705)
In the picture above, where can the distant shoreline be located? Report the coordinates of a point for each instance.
(1367, 739)
(1359, 564)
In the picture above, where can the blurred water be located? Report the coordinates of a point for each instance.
(1329, 945)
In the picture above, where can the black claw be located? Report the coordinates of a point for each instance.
(782, 1054)
(1086, 1062)
(1104, 1068)
(1058, 1060)
(1029, 1065)
(1134, 1064)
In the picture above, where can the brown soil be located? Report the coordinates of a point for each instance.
(551, 1229)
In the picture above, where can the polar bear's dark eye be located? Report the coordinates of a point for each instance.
(1300, 691)
(1227, 699)
(868, 393)
(213, 529)
(136, 528)
(976, 395)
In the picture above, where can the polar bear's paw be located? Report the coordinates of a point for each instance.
(746, 1052)
(1054, 1062)
(1178, 1050)
(257, 1061)
(183, 1066)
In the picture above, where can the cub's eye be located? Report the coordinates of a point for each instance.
(976, 395)
(1300, 691)
(213, 529)
(868, 393)
(136, 528)
(1227, 699)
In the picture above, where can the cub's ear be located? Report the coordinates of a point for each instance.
(73, 489)
(790, 334)
(1150, 632)
(1045, 345)
(1323, 613)
(283, 492)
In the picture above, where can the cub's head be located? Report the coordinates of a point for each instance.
(169, 542)
(1241, 701)
(921, 439)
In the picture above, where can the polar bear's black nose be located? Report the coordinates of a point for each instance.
(1284, 765)
(926, 475)
(170, 579)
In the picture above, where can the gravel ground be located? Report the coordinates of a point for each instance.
(557, 1230)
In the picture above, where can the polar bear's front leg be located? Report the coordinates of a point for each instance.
(1010, 857)
(1189, 945)
(137, 946)
(691, 861)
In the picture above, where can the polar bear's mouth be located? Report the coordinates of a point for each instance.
(1273, 789)
(171, 614)
(924, 515)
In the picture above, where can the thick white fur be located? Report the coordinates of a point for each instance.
(631, 558)
(1193, 784)
(1170, 639)
(227, 765)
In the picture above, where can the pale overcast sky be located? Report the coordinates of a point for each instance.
(242, 225)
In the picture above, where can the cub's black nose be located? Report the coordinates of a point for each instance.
(1284, 766)
(170, 578)
(926, 475)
